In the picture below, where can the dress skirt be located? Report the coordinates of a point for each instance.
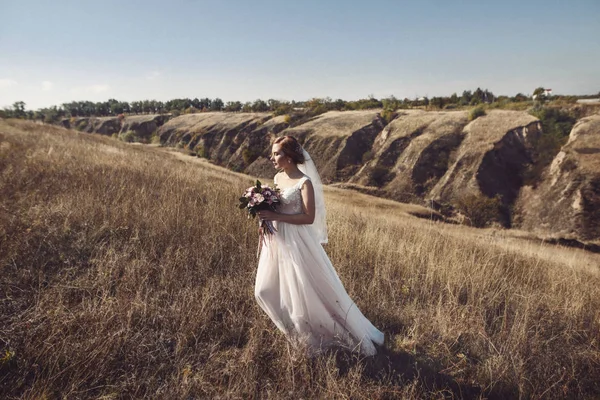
(298, 288)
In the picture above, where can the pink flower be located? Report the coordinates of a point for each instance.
(259, 198)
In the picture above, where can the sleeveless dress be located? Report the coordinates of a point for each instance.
(298, 288)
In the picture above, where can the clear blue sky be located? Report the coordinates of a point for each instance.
(57, 51)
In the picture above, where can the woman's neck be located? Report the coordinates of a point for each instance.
(293, 172)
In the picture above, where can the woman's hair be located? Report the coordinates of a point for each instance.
(291, 148)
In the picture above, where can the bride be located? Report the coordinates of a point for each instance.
(296, 284)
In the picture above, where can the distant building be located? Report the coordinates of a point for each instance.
(589, 101)
(546, 93)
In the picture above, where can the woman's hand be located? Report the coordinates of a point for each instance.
(267, 215)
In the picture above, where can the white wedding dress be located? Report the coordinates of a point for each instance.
(297, 286)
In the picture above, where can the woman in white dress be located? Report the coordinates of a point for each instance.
(296, 284)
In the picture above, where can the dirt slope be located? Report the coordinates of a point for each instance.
(141, 126)
(490, 160)
(412, 153)
(338, 140)
(567, 201)
(215, 135)
(436, 158)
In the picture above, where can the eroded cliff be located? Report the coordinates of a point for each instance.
(439, 159)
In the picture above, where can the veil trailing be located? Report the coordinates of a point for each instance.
(309, 169)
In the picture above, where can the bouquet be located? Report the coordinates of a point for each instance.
(257, 198)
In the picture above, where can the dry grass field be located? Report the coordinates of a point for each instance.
(127, 272)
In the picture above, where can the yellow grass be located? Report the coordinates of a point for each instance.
(128, 272)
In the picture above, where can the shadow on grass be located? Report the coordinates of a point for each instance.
(400, 368)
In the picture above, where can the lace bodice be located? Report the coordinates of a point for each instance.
(291, 198)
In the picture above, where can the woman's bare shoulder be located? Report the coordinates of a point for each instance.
(278, 177)
(306, 183)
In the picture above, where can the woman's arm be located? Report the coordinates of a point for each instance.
(308, 207)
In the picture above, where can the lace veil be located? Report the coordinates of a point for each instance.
(309, 169)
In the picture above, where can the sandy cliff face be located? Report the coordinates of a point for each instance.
(439, 158)
(567, 201)
(213, 135)
(101, 125)
(338, 140)
(433, 158)
(142, 126)
(412, 153)
(234, 140)
(490, 160)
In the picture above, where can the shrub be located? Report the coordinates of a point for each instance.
(129, 137)
(81, 125)
(554, 121)
(155, 138)
(476, 113)
(367, 156)
(556, 127)
(51, 117)
(200, 151)
(479, 210)
(282, 109)
(388, 115)
(378, 175)
(287, 119)
(249, 155)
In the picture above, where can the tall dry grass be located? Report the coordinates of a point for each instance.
(128, 273)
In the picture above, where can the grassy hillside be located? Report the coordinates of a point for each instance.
(128, 272)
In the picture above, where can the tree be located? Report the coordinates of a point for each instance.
(465, 98)
(205, 104)
(160, 107)
(273, 104)
(19, 109)
(216, 105)
(233, 106)
(519, 97)
(116, 108)
(260, 106)
(136, 107)
(437, 102)
(146, 106)
(102, 108)
(247, 107)
(339, 105)
(477, 97)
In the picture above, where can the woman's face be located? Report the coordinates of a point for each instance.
(278, 158)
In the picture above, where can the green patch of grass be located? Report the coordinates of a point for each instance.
(476, 112)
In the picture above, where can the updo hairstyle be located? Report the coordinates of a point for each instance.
(291, 148)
